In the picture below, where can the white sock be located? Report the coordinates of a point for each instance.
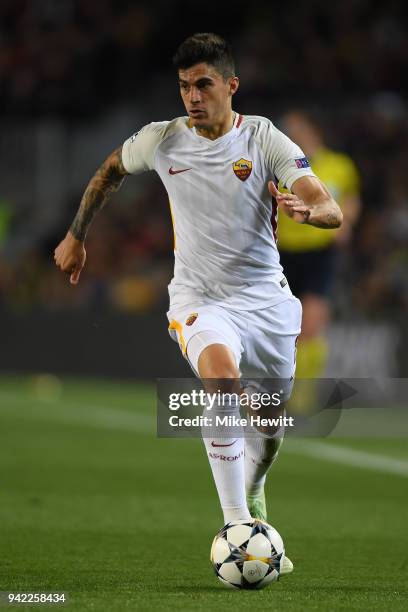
(226, 457)
(260, 452)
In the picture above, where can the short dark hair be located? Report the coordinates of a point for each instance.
(205, 47)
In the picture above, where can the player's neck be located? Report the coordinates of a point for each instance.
(218, 129)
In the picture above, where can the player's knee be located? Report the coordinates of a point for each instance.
(217, 364)
(222, 380)
(221, 371)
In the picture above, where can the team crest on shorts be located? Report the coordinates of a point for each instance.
(190, 320)
(242, 168)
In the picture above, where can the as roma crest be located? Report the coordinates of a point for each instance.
(190, 320)
(242, 168)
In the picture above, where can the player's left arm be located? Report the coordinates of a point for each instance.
(310, 202)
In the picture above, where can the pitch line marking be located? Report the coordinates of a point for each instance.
(349, 456)
(102, 417)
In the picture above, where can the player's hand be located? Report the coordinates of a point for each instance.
(290, 204)
(70, 257)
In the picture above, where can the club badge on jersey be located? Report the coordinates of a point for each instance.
(190, 320)
(242, 168)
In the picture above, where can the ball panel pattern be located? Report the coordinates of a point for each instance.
(231, 573)
(220, 551)
(259, 546)
(239, 534)
(247, 554)
(254, 571)
(273, 575)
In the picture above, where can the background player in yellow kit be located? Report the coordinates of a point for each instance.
(308, 254)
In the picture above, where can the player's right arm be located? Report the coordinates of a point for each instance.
(70, 254)
(136, 156)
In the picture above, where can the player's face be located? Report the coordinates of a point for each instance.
(206, 95)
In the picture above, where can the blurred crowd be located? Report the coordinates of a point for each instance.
(76, 56)
(129, 262)
(74, 59)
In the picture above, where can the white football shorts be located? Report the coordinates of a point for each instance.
(263, 341)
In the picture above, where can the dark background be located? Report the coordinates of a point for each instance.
(78, 77)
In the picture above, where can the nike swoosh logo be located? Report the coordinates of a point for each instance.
(219, 445)
(171, 171)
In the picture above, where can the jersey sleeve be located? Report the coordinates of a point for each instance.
(285, 159)
(138, 151)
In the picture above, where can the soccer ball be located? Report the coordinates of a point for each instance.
(247, 554)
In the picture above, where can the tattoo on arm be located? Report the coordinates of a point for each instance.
(326, 216)
(107, 179)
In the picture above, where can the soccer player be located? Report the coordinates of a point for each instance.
(231, 308)
(308, 254)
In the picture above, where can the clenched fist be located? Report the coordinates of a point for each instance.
(70, 257)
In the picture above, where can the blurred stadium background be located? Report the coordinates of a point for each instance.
(79, 458)
(77, 78)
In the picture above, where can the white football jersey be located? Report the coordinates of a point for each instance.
(223, 216)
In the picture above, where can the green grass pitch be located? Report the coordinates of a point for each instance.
(93, 504)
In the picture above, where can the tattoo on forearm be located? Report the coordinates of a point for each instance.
(106, 180)
(324, 218)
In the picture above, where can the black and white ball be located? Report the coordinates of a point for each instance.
(247, 554)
